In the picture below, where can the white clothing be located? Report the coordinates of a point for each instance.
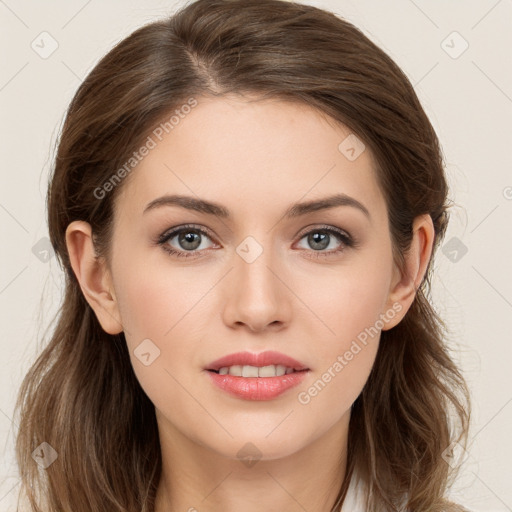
(353, 501)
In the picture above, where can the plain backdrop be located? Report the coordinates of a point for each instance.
(458, 57)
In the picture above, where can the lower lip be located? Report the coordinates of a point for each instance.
(257, 388)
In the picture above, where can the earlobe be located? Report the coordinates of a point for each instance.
(93, 276)
(406, 283)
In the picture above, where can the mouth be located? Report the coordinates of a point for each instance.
(264, 364)
(256, 371)
(262, 376)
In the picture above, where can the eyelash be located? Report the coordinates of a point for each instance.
(346, 240)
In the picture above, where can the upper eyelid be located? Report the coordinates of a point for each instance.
(172, 232)
(323, 227)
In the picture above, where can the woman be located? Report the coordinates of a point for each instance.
(246, 201)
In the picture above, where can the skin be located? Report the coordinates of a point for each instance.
(255, 158)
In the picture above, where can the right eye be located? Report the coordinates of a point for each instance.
(188, 241)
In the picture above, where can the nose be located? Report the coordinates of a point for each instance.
(256, 296)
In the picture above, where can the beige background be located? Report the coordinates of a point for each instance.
(468, 96)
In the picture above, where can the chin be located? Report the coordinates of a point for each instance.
(261, 446)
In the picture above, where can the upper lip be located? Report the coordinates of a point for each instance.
(266, 358)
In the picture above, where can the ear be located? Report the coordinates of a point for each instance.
(406, 283)
(93, 276)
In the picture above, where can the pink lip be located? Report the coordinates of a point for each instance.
(257, 388)
(262, 359)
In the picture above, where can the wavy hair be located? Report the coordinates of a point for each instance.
(81, 395)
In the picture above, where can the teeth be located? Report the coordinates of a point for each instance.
(255, 371)
(280, 370)
(249, 371)
(269, 371)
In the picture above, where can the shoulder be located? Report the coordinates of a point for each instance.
(455, 507)
(355, 500)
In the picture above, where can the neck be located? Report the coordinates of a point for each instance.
(195, 478)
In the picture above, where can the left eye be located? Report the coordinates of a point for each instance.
(326, 238)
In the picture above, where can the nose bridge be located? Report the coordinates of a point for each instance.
(256, 297)
(251, 265)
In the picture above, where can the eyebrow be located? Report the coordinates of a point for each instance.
(296, 210)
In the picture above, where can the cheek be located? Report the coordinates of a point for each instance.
(154, 315)
(343, 360)
(346, 303)
(164, 305)
(350, 305)
(333, 389)
(155, 298)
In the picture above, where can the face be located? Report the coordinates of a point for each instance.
(195, 283)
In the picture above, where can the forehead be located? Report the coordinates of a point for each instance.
(253, 153)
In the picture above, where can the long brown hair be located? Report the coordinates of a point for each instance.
(81, 396)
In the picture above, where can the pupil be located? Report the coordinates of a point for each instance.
(319, 240)
(189, 240)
